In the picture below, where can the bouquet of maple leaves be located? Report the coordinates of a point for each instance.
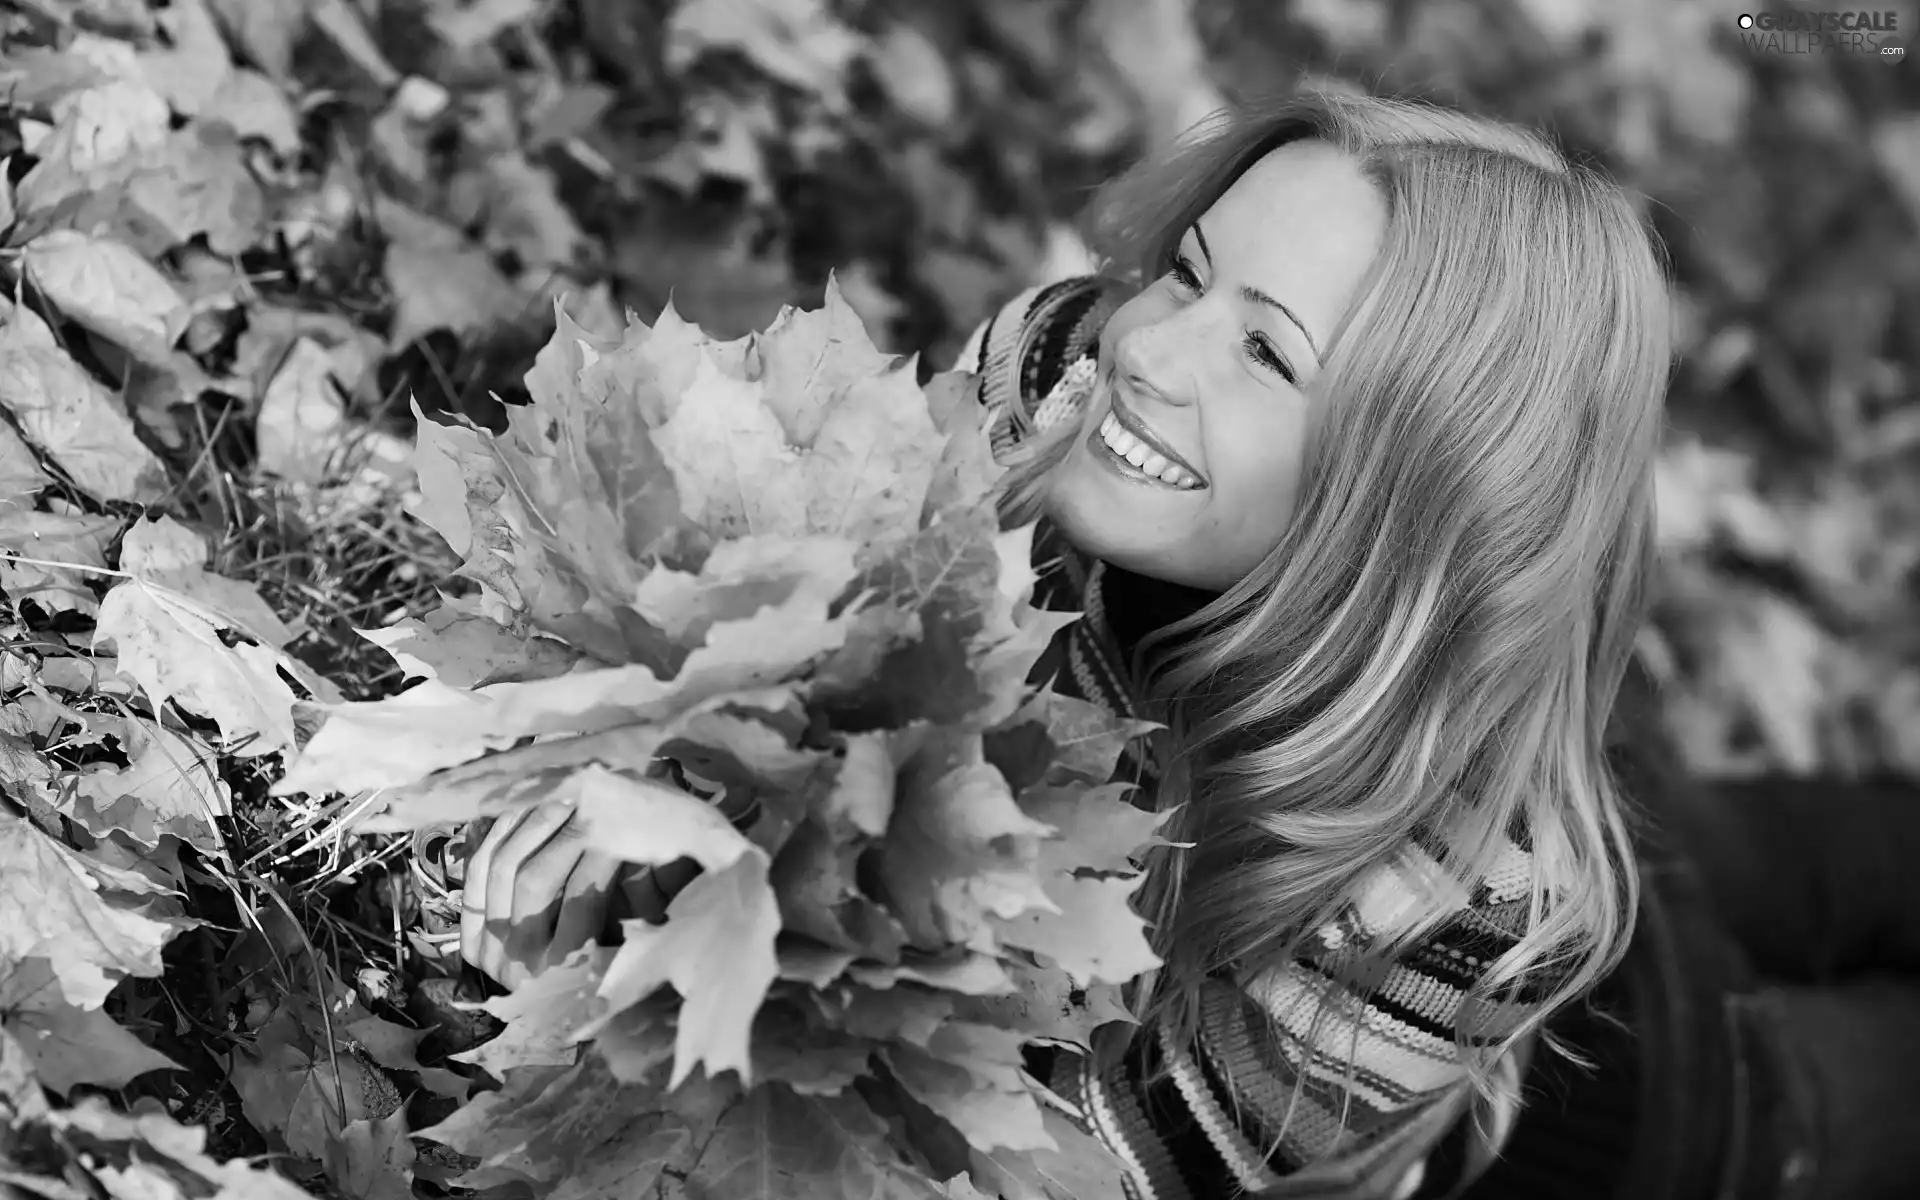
(776, 559)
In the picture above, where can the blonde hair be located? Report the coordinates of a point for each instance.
(1436, 642)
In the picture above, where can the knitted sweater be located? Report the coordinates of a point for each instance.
(1299, 1084)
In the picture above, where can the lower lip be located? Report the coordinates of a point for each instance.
(1127, 470)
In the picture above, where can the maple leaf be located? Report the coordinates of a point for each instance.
(862, 793)
(814, 877)
(391, 742)
(66, 911)
(67, 1045)
(365, 745)
(297, 1091)
(1077, 1166)
(1097, 829)
(21, 762)
(546, 1017)
(798, 42)
(739, 578)
(716, 949)
(468, 498)
(808, 358)
(775, 1142)
(20, 472)
(864, 475)
(54, 538)
(302, 420)
(1047, 1005)
(72, 419)
(793, 1048)
(266, 30)
(588, 466)
(440, 279)
(169, 554)
(171, 646)
(1001, 1114)
(1061, 739)
(95, 129)
(252, 105)
(959, 848)
(109, 289)
(1091, 931)
(193, 63)
(550, 1126)
(169, 787)
(966, 474)
(966, 654)
(150, 1156)
(197, 183)
(464, 650)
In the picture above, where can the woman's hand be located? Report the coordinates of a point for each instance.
(535, 892)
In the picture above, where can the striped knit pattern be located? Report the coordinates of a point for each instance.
(1339, 1074)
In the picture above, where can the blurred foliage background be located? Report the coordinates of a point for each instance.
(422, 176)
(282, 223)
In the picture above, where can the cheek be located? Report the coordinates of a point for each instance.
(1255, 464)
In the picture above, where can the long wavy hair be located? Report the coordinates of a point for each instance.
(1433, 648)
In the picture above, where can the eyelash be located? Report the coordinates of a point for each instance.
(1252, 346)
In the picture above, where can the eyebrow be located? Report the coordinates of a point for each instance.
(1257, 296)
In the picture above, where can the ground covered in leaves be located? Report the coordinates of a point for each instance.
(244, 239)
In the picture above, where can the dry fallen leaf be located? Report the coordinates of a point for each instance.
(68, 1045)
(109, 289)
(190, 68)
(95, 129)
(74, 422)
(255, 107)
(63, 909)
(441, 280)
(200, 184)
(20, 471)
(303, 420)
(171, 646)
(799, 42)
(79, 541)
(170, 787)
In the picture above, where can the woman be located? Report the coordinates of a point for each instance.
(1348, 457)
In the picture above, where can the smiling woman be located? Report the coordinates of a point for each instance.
(1278, 256)
(1347, 455)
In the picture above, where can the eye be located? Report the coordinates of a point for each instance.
(1254, 345)
(1184, 275)
(1261, 351)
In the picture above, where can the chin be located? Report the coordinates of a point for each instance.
(1094, 511)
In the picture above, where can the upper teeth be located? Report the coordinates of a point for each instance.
(1144, 457)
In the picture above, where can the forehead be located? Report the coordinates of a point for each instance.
(1302, 223)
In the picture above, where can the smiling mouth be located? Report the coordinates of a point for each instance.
(1138, 454)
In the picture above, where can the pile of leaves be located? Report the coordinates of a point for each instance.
(776, 562)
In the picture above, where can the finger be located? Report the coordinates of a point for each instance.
(510, 850)
(513, 876)
(510, 858)
(539, 892)
(583, 904)
(473, 893)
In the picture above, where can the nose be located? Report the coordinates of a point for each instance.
(1149, 361)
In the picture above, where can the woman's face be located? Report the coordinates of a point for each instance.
(1191, 460)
